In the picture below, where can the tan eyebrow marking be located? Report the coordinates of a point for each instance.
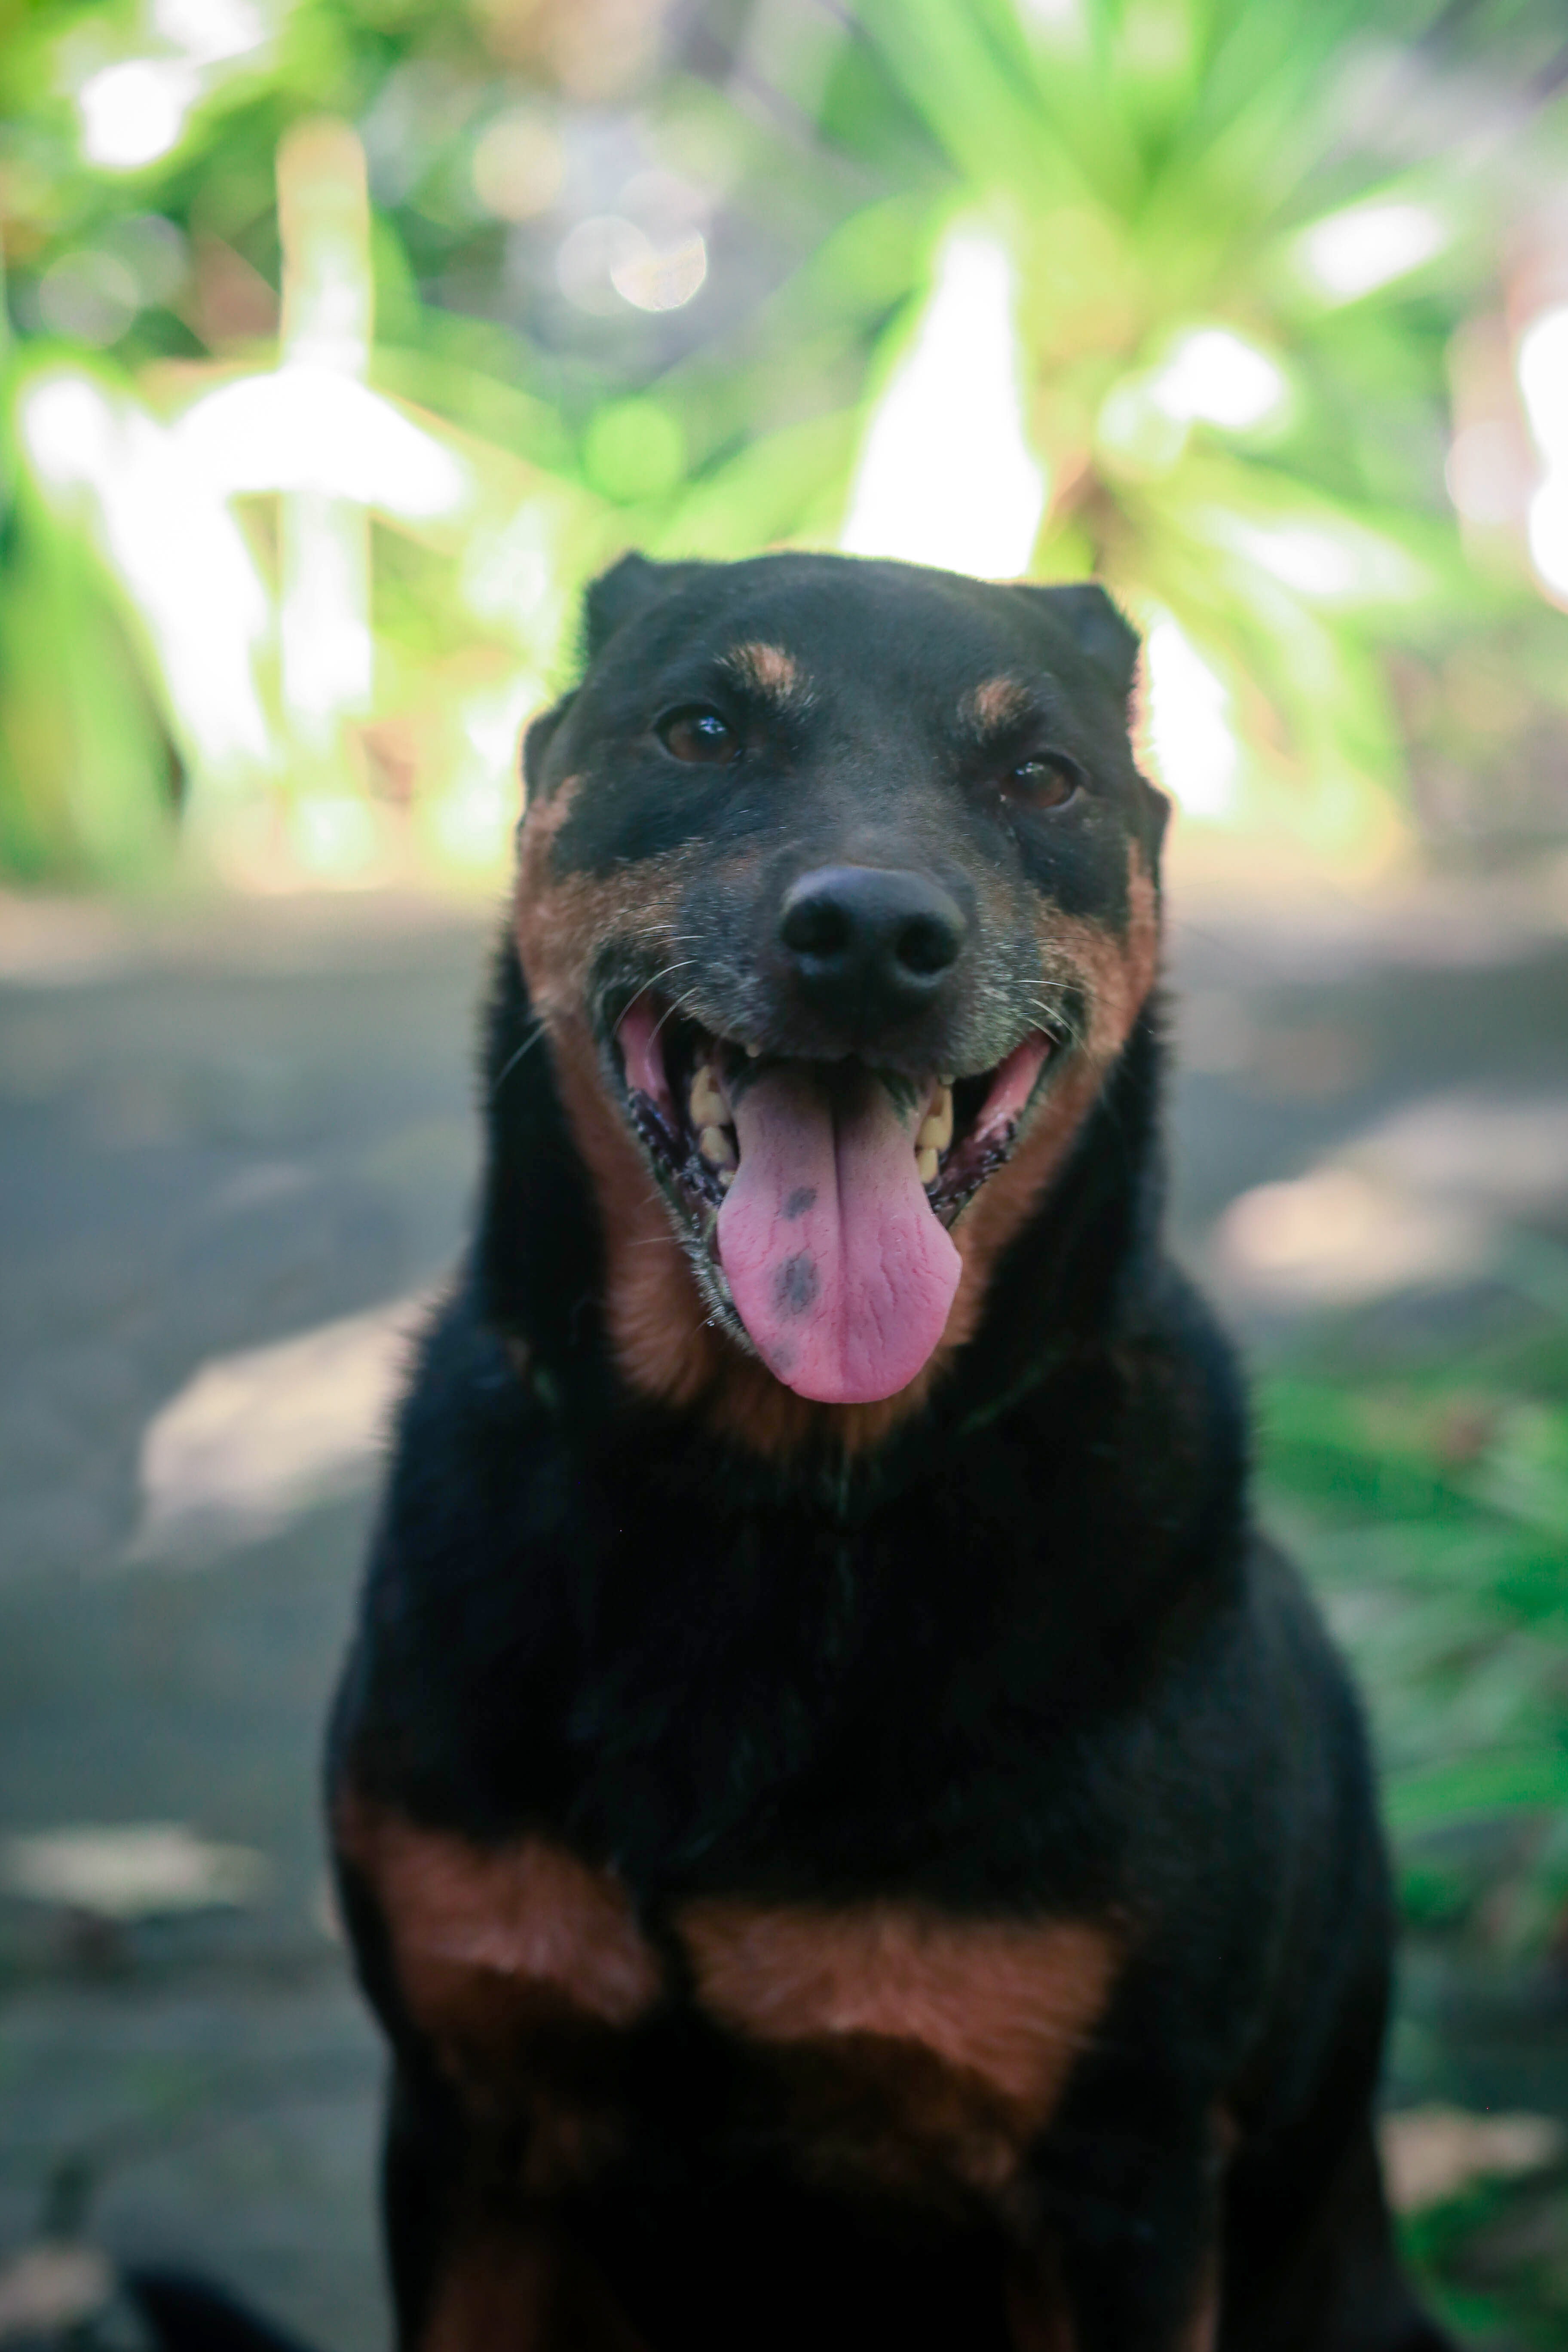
(769, 669)
(997, 699)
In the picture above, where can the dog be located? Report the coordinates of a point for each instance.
(851, 1833)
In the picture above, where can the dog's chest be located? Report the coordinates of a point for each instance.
(879, 2039)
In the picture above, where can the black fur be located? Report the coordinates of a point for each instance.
(1030, 1657)
(184, 2315)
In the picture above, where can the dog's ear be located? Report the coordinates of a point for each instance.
(1103, 635)
(624, 589)
(536, 742)
(615, 596)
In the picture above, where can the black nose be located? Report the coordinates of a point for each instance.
(870, 944)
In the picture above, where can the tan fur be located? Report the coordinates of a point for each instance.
(1119, 972)
(560, 921)
(996, 700)
(1202, 2331)
(1120, 968)
(768, 670)
(757, 1413)
(914, 2033)
(488, 1943)
(656, 1319)
(656, 1316)
(524, 2291)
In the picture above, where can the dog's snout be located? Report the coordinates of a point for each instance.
(867, 938)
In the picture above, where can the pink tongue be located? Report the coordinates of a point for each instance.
(839, 1270)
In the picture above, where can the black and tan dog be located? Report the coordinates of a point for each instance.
(852, 1836)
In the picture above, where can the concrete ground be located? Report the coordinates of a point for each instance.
(234, 1144)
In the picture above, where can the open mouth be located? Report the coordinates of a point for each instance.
(818, 1194)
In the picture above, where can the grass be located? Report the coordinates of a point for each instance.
(1416, 1457)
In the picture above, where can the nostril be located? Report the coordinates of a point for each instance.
(817, 927)
(926, 945)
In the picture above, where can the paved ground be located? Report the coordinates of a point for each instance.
(231, 1130)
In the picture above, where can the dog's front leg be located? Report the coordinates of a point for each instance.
(1129, 2253)
(511, 1977)
(476, 2266)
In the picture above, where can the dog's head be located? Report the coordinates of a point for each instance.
(837, 902)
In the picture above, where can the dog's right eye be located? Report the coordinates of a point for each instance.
(699, 736)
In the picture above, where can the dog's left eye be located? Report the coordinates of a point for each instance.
(697, 736)
(1047, 779)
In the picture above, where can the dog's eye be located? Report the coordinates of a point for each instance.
(699, 736)
(1047, 779)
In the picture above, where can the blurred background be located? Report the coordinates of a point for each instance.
(343, 341)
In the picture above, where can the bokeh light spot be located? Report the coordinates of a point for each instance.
(607, 260)
(945, 473)
(210, 30)
(1194, 744)
(659, 277)
(1543, 386)
(1352, 253)
(1215, 376)
(518, 167)
(134, 112)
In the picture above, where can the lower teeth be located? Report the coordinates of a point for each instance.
(706, 1099)
(711, 1115)
(936, 1128)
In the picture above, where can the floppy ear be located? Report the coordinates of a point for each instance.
(1104, 636)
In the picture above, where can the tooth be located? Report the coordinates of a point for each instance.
(709, 1104)
(925, 1163)
(726, 1178)
(936, 1129)
(717, 1148)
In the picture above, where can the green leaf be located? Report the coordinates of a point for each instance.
(1530, 1780)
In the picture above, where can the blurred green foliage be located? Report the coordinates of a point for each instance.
(1422, 1482)
(1493, 2263)
(1242, 426)
(1427, 1492)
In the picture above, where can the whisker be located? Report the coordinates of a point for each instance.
(672, 1009)
(535, 1032)
(684, 964)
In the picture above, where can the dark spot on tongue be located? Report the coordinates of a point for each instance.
(837, 1266)
(796, 1285)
